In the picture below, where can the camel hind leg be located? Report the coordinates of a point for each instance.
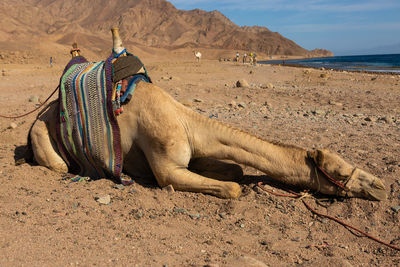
(44, 148)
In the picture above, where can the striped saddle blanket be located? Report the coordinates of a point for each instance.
(87, 127)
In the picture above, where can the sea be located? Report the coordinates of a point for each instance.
(371, 63)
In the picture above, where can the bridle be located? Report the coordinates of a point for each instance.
(339, 184)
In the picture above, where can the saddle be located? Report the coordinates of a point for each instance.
(128, 71)
(91, 95)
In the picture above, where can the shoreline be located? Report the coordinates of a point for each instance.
(337, 70)
(374, 64)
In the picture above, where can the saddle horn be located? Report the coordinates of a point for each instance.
(117, 42)
(75, 51)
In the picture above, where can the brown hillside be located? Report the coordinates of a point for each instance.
(151, 23)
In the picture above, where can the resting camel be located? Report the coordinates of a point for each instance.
(197, 55)
(164, 139)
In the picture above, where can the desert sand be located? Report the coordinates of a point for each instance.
(47, 220)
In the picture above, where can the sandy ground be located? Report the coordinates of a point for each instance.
(48, 221)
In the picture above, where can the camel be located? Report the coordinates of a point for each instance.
(162, 138)
(197, 54)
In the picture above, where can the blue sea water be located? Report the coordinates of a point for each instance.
(375, 63)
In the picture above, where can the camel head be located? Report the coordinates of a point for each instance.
(356, 182)
(117, 42)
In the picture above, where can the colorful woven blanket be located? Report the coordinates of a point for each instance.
(88, 129)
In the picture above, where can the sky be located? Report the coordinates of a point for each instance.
(345, 27)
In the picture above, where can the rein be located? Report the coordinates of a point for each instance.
(301, 196)
(40, 106)
(328, 177)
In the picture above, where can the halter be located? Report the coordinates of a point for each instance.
(342, 185)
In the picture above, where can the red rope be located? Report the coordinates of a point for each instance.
(337, 183)
(296, 195)
(23, 115)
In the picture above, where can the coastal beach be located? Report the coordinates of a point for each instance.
(45, 220)
(388, 63)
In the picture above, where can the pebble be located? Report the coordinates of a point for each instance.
(137, 214)
(179, 210)
(198, 100)
(386, 119)
(242, 105)
(194, 216)
(395, 208)
(248, 261)
(105, 200)
(371, 119)
(242, 83)
(319, 112)
(222, 215)
(34, 99)
(267, 86)
(119, 186)
(232, 104)
(335, 103)
(13, 125)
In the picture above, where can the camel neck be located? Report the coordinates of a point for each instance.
(286, 163)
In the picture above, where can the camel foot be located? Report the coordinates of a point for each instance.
(231, 190)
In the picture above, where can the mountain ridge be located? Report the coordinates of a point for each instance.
(151, 23)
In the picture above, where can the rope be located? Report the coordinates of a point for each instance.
(23, 115)
(301, 197)
(337, 183)
(117, 55)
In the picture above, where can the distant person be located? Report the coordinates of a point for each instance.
(51, 61)
(237, 56)
(244, 58)
(254, 59)
(251, 58)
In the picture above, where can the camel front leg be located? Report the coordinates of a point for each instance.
(182, 179)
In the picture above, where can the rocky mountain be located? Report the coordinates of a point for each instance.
(151, 23)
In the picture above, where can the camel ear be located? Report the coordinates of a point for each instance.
(318, 157)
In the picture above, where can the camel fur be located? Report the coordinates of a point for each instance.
(162, 138)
